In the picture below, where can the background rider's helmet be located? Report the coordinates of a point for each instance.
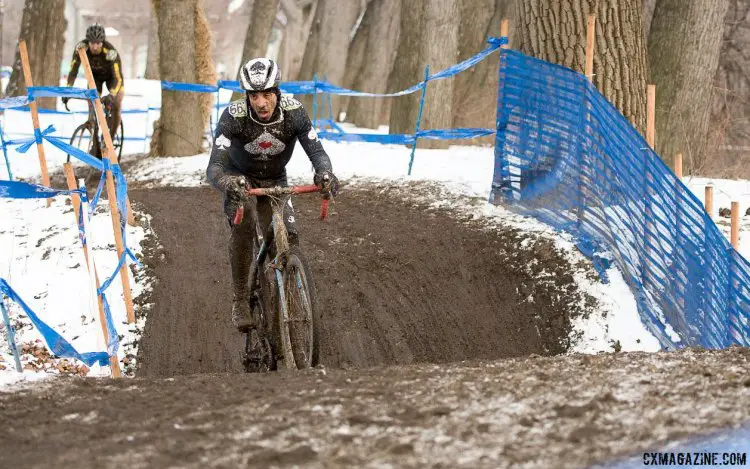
(95, 33)
(259, 75)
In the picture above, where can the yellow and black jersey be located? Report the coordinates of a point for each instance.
(105, 66)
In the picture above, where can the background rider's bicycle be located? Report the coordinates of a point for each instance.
(82, 136)
(281, 292)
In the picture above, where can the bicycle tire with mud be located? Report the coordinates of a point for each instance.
(300, 333)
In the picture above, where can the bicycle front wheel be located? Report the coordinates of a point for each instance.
(81, 139)
(298, 323)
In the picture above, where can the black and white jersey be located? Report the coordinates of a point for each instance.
(243, 145)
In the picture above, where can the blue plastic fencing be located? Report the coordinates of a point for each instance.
(566, 156)
(55, 342)
(300, 87)
(22, 190)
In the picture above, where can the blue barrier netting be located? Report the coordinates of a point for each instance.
(566, 156)
(298, 87)
(22, 190)
(58, 345)
(55, 342)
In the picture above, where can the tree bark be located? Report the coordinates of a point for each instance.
(684, 46)
(205, 70)
(152, 55)
(439, 50)
(328, 45)
(296, 35)
(181, 126)
(134, 56)
(475, 94)
(407, 68)
(556, 32)
(379, 57)
(729, 134)
(355, 59)
(648, 15)
(43, 29)
(258, 32)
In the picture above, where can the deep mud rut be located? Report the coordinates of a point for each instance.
(406, 292)
(396, 283)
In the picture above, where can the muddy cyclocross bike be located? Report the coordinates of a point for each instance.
(281, 291)
(83, 136)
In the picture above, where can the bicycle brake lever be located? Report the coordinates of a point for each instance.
(239, 215)
(324, 207)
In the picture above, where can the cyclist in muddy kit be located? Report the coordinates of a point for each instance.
(253, 143)
(106, 68)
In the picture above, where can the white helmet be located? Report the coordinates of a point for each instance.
(260, 74)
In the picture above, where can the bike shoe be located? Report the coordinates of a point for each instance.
(241, 317)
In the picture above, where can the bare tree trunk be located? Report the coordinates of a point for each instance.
(556, 32)
(152, 55)
(181, 125)
(729, 133)
(205, 70)
(258, 32)
(439, 50)
(328, 45)
(355, 59)
(407, 68)
(684, 46)
(295, 38)
(366, 112)
(43, 29)
(134, 56)
(475, 92)
(648, 15)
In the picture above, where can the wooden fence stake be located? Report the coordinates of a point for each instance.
(109, 154)
(678, 165)
(590, 30)
(504, 33)
(114, 363)
(34, 114)
(735, 237)
(709, 201)
(651, 116)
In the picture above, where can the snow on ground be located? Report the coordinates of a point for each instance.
(42, 260)
(41, 257)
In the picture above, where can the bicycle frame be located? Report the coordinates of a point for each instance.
(275, 234)
(276, 221)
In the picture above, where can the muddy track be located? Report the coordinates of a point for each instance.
(396, 282)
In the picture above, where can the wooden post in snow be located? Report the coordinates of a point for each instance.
(709, 201)
(678, 165)
(504, 33)
(114, 363)
(111, 195)
(34, 114)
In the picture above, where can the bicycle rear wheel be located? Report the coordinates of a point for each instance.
(81, 139)
(297, 320)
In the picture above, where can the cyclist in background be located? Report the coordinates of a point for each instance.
(106, 68)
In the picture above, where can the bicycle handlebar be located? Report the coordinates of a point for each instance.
(279, 191)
